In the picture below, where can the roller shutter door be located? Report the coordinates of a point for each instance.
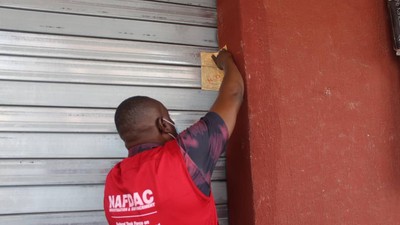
(64, 67)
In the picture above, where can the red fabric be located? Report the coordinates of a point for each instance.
(155, 188)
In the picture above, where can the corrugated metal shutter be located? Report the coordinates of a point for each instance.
(64, 67)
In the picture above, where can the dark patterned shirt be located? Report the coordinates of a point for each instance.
(201, 145)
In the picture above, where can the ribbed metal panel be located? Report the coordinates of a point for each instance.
(31, 144)
(203, 3)
(64, 67)
(133, 9)
(104, 96)
(65, 171)
(46, 119)
(79, 218)
(39, 199)
(95, 72)
(92, 26)
(44, 45)
(60, 145)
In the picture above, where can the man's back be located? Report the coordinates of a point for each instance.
(139, 191)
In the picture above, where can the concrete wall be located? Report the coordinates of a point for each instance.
(318, 139)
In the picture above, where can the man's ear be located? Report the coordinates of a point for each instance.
(162, 125)
(159, 124)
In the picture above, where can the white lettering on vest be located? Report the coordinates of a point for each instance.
(118, 201)
(148, 196)
(136, 198)
(124, 200)
(111, 200)
(131, 202)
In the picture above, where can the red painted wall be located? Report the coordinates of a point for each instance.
(318, 138)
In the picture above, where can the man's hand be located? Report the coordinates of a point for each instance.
(222, 58)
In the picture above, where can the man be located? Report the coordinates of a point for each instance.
(166, 179)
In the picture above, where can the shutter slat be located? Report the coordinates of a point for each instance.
(45, 199)
(78, 218)
(65, 171)
(61, 145)
(133, 9)
(43, 119)
(203, 3)
(95, 72)
(52, 23)
(58, 46)
(101, 96)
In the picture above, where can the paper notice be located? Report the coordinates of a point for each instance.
(211, 76)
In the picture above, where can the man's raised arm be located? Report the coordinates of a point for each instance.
(231, 92)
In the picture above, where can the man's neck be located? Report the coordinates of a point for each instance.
(141, 148)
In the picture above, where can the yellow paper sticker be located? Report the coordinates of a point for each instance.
(211, 75)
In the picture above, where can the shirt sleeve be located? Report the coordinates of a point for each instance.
(202, 144)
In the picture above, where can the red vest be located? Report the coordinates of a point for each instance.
(155, 188)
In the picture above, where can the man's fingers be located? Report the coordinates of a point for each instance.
(214, 58)
(221, 57)
(215, 61)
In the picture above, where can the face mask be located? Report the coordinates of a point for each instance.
(173, 124)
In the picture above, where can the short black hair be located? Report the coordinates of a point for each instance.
(132, 111)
